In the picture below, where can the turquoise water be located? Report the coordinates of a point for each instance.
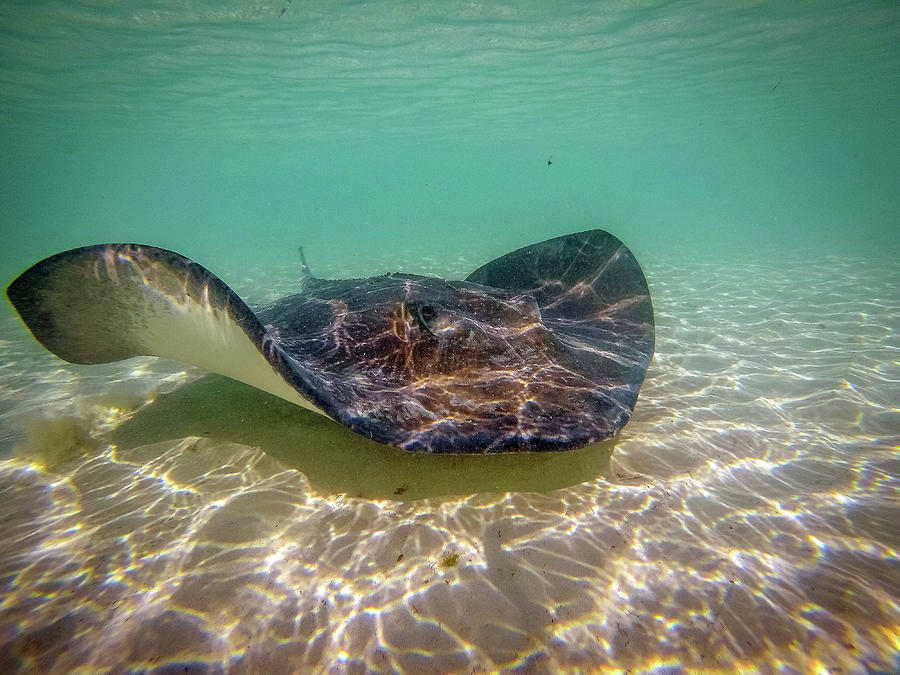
(222, 130)
(747, 153)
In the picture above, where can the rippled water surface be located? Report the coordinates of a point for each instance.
(154, 518)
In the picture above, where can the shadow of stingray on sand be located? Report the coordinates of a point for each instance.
(336, 460)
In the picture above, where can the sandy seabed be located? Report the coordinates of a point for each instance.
(748, 518)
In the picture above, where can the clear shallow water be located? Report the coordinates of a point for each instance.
(217, 129)
(744, 519)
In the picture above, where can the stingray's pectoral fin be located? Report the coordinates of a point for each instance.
(594, 257)
(110, 302)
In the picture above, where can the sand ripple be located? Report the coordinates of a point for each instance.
(746, 519)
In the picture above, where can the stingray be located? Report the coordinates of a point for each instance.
(544, 348)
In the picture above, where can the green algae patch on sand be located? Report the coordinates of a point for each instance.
(449, 560)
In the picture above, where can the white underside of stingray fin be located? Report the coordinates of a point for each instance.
(110, 302)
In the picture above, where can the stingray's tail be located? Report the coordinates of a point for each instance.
(305, 274)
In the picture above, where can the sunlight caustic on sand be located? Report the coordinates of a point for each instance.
(746, 515)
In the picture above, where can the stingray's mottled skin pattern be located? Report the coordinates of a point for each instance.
(544, 348)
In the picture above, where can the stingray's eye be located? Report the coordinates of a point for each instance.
(426, 314)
